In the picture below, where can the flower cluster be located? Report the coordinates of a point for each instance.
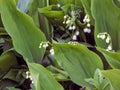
(70, 20)
(105, 36)
(87, 21)
(29, 76)
(43, 44)
(74, 37)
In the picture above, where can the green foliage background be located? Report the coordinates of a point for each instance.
(25, 24)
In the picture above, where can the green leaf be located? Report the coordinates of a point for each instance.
(63, 2)
(107, 19)
(39, 19)
(43, 79)
(33, 9)
(114, 78)
(53, 13)
(79, 3)
(100, 82)
(79, 62)
(53, 2)
(24, 33)
(12, 88)
(113, 58)
(7, 60)
(59, 74)
(87, 5)
(46, 27)
(15, 75)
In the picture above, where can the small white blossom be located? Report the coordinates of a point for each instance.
(87, 30)
(108, 40)
(109, 48)
(40, 46)
(63, 22)
(43, 44)
(68, 21)
(74, 37)
(29, 76)
(73, 27)
(86, 19)
(88, 25)
(101, 36)
(32, 81)
(65, 16)
(77, 33)
(58, 5)
(52, 51)
(70, 28)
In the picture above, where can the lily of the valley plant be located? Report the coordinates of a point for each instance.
(59, 45)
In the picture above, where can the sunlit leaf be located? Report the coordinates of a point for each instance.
(63, 2)
(12, 88)
(79, 62)
(24, 33)
(107, 19)
(113, 77)
(53, 13)
(42, 78)
(33, 9)
(113, 58)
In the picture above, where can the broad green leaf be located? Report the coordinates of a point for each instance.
(53, 13)
(63, 2)
(113, 58)
(33, 9)
(87, 5)
(39, 19)
(46, 27)
(12, 88)
(43, 79)
(59, 74)
(24, 33)
(100, 82)
(114, 77)
(107, 19)
(78, 61)
(7, 60)
(78, 3)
